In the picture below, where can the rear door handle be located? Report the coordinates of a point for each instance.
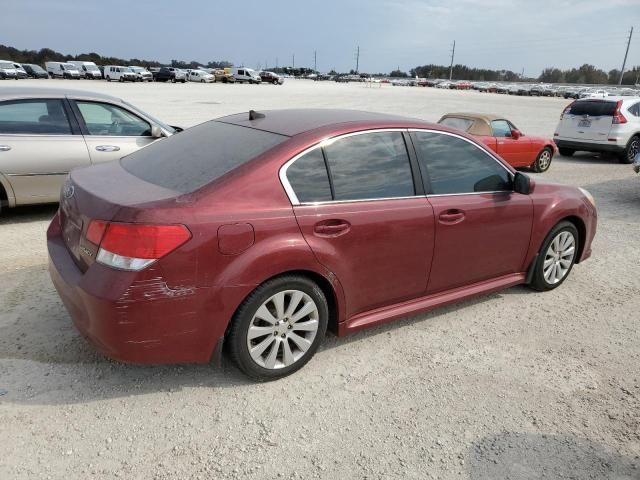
(107, 148)
(4, 148)
(451, 217)
(332, 228)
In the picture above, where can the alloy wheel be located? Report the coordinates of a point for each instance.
(633, 149)
(283, 329)
(559, 257)
(544, 160)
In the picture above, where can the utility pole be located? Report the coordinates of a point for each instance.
(453, 52)
(357, 58)
(315, 61)
(293, 61)
(624, 62)
(276, 63)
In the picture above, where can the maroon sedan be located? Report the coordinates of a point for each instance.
(257, 232)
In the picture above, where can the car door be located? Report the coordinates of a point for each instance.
(356, 204)
(514, 150)
(39, 144)
(482, 227)
(111, 131)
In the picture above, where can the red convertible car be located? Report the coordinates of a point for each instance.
(501, 136)
(257, 232)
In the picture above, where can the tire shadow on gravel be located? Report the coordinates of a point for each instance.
(27, 213)
(526, 456)
(586, 158)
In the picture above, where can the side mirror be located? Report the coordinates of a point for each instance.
(516, 134)
(156, 132)
(521, 183)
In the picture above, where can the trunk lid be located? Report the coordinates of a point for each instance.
(588, 120)
(103, 192)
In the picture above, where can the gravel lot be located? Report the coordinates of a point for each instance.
(517, 385)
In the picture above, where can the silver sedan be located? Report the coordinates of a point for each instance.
(44, 133)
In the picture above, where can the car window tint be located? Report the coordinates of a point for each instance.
(593, 108)
(500, 128)
(309, 178)
(196, 157)
(371, 165)
(455, 122)
(109, 120)
(454, 165)
(38, 117)
(635, 109)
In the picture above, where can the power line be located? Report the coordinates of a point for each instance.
(624, 62)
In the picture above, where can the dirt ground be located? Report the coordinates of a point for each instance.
(517, 385)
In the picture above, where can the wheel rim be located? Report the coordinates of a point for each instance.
(545, 160)
(559, 257)
(283, 329)
(634, 148)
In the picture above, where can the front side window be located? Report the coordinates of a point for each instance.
(109, 120)
(36, 117)
(453, 165)
(309, 178)
(500, 128)
(369, 166)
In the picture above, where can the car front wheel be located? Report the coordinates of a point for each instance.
(556, 257)
(278, 327)
(543, 162)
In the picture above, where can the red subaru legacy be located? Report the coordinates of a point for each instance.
(257, 232)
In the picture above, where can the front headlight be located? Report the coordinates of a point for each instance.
(588, 196)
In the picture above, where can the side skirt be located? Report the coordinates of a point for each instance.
(388, 314)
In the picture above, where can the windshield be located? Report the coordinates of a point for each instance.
(199, 155)
(68, 66)
(36, 68)
(593, 108)
(91, 68)
(163, 125)
(136, 69)
(6, 65)
(127, 69)
(457, 122)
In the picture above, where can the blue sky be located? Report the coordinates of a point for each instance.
(497, 34)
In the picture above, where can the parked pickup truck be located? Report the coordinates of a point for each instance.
(169, 74)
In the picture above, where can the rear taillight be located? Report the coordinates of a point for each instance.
(566, 110)
(618, 118)
(134, 246)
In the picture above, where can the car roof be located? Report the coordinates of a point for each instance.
(292, 122)
(9, 93)
(481, 124)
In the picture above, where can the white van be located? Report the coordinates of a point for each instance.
(119, 73)
(87, 69)
(242, 74)
(62, 70)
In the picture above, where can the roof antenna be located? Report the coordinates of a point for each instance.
(253, 115)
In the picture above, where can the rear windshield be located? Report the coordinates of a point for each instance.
(593, 108)
(456, 122)
(196, 157)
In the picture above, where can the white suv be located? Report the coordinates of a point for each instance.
(609, 124)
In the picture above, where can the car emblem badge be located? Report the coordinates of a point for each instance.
(68, 191)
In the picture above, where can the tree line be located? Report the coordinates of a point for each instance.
(584, 74)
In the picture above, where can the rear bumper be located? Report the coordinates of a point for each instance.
(137, 317)
(588, 146)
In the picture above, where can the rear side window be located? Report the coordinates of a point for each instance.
(635, 109)
(455, 166)
(309, 178)
(455, 122)
(593, 108)
(196, 157)
(35, 117)
(369, 166)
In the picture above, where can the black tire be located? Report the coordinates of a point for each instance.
(236, 340)
(538, 281)
(275, 82)
(543, 161)
(108, 78)
(566, 152)
(173, 79)
(202, 81)
(631, 150)
(224, 80)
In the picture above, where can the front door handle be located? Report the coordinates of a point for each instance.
(332, 228)
(451, 217)
(4, 148)
(107, 148)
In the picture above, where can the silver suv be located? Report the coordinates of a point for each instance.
(609, 124)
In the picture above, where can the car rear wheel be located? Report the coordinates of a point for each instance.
(566, 152)
(556, 257)
(278, 327)
(543, 162)
(629, 154)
